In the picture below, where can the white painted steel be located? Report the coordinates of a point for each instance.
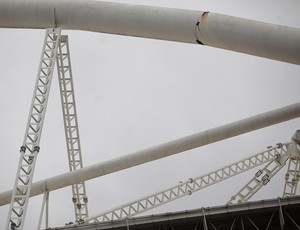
(292, 178)
(163, 150)
(72, 136)
(212, 29)
(246, 36)
(23, 182)
(292, 175)
(44, 203)
(237, 213)
(263, 176)
(188, 187)
(260, 179)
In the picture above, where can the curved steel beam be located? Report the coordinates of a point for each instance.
(161, 151)
(251, 37)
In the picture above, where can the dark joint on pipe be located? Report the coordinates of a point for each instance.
(203, 18)
(54, 17)
(198, 29)
(199, 42)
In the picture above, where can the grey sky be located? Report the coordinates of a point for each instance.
(134, 93)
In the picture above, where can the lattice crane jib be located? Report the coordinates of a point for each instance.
(30, 147)
(71, 126)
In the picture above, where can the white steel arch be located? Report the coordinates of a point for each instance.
(211, 29)
(270, 41)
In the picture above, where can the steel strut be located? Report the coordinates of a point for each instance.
(30, 147)
(293, 172)
(71, 126)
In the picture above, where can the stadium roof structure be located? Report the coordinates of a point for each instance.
(281, 213)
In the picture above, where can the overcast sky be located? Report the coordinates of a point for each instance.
(135, 93)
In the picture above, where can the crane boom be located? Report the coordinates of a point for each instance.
(216, 30)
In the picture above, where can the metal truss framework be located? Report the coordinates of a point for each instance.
(55, 48)
(293, 172)
(276, 154)
(71, 126)
(262, 177)
(25, 171)
(267, 214)
(292, 177)
(277, 218)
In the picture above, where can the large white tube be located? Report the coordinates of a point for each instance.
(163, 150)
(216, 30)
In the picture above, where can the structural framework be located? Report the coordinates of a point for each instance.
(204, 28)
(266, 214)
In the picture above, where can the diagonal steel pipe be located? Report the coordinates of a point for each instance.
(216, 30)
(160, 151)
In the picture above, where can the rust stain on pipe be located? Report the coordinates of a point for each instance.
(204, 16)
(198, 31)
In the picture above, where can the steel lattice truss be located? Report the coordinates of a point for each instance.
(71, 126)
(276, 158)
(33, 132)
(292, 177)
(56, 49)
(281, 213)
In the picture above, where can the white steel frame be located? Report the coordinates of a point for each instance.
(167, 24)
(293, 172)
(261, 178)
(71, 126)
(191, 26)
(44, 203)
(55, 48)
(292, 177)
(192, 185)
(163, 150)
(23, 182)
